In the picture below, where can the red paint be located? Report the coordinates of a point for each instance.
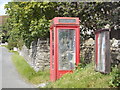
(77, 46)
(55, 73)
(97, 35)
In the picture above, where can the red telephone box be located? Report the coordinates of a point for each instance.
(64, 46)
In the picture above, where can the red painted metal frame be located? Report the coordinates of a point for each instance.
(55, 73)
(96, 47)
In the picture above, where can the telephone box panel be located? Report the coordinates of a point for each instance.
(64, 46)
(102, 51)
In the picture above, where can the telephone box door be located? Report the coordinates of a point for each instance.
(66, 46)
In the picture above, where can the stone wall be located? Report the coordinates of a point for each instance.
(38, 56)
(115, 51)
(87, 51)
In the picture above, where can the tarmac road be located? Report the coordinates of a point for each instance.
(10, 77)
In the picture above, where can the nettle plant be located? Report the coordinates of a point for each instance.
(115, 81)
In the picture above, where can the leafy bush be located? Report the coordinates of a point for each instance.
(4, 39)
(20, 43)
(15, 41)
(115, 81)
(82, 63)
(11, 45)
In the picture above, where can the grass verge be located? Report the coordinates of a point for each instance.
(84, 78)
(4, 46)
(81, 78)
(27, 72)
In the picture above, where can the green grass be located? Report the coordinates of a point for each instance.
(83, 78)
(27, 72)
(3, 46)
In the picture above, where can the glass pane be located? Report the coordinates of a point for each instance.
(66, 49)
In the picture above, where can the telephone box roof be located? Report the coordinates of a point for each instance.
(65, 21)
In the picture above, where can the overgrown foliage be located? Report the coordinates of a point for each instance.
(84, 78)
(3, 34)
(30, 20)
(115, 81)
(92, 15)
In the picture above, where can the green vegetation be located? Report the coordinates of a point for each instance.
(27, 72)
(29, 21)
(84, 78)
(4, 46)
(15, 43)
(115, 81)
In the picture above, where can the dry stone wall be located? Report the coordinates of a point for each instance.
(115, 51)
(38, 56)
(87, 51)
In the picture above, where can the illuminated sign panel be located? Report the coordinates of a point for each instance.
(67, 20)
